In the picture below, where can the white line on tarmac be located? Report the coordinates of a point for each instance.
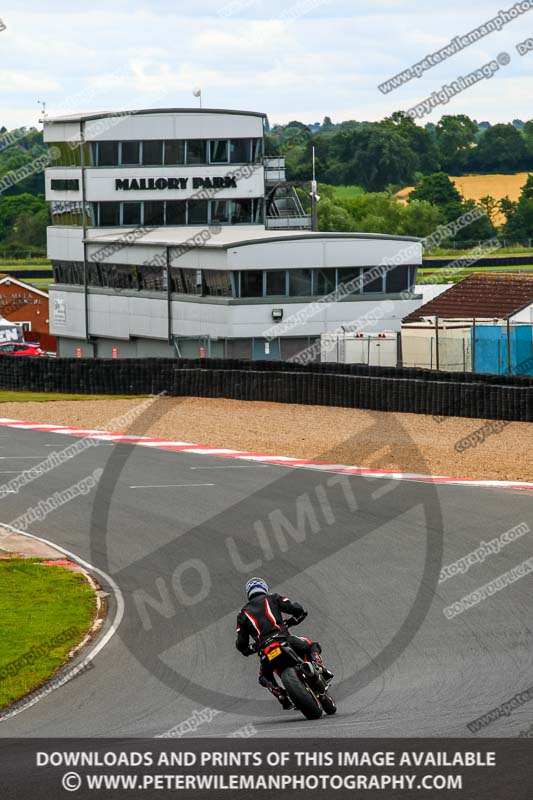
(102, 444)
(170, 485)
(236, 466)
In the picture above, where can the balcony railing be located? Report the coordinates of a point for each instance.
(274, 170)
(287, 222)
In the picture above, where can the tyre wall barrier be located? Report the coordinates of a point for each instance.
(351, 386)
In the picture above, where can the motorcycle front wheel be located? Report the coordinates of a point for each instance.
(300, 694)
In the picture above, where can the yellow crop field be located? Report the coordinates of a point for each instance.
(473, 187)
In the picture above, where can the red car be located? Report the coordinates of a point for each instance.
(21, 349)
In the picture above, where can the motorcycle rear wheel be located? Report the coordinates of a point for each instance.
(300, 695)
(328, 704)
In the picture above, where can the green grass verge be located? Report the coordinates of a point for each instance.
(45, 397)
(50, 608)
(31, 263)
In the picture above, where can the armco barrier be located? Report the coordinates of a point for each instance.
(351, 386)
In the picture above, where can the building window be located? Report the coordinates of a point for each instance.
(174, 152)
(240, 151)
(257, 150)
(220, 212)
(130, 153)
(119, 276)
(155, 152)
(176, 212)
(300, 282)
(196, 151)
(68, 212)
(108, 214)
(258, 217)
(184, 281)
(68, 272)
(276, 282)
(69, 154)
(324, 282)
(251, 283)
(217, 283)
(197, 212)
(158, 212)
(375, 285)
(152, 153)
(154, 212)
(350, 280)
(397, 279)
(218, 151)
(107, 154)
(60, 185)
(241, 212)
(151, 279)
(131, 213)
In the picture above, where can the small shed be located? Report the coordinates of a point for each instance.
(484, 323)
(28, 306)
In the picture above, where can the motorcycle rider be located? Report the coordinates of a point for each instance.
(262, 616)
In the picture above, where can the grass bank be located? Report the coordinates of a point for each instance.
(45, 612)
(46, 397)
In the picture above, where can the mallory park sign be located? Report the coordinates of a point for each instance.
(142, 184)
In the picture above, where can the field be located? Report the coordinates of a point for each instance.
(474, 187)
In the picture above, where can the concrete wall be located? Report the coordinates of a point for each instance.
(163, 125)
(124, 315)
(103, 348)
(323, 252)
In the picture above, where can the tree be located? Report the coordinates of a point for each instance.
(455, 135)
(422, 141)
(420, 218)
(501, 149)
(12, 207)
(333, 217)
(527, 135)
(519, 223)
(437, 189)
(30, 229)
(491, 206)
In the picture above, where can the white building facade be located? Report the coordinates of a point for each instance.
(173, 235)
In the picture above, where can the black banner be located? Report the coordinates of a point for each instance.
(206, 768)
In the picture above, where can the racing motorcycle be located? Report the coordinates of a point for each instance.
(304, 683)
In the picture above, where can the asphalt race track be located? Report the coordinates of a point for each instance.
(181, 533)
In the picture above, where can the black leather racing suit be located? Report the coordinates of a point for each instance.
(263, 616)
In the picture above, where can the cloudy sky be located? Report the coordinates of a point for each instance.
(298, 59)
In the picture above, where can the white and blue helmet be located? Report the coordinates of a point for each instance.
(256, 586)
